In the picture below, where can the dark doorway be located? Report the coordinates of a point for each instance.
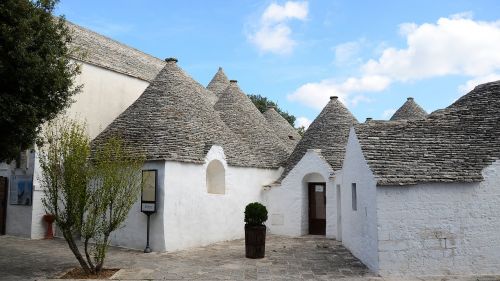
(3, 204)
(317, 208)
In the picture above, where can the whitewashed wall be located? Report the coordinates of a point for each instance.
(288, 203)
(434, 229)
(18, 216)
(104, 96)
(359, 228)
(193, 217)
(133, 234)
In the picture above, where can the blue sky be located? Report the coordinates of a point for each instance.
(372, 54)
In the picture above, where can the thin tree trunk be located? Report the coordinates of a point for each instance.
(87, 255)
(74, 248)
(102, 255)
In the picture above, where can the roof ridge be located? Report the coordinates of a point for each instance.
(111, 39)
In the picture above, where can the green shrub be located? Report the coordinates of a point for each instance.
(255, 214)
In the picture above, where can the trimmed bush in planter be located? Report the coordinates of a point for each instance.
(255, 230)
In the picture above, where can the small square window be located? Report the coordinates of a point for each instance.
(354, 197)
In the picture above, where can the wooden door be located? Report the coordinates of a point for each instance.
(3, 204)
(317, 208)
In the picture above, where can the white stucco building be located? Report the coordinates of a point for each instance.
(416, 195)
(113, 76)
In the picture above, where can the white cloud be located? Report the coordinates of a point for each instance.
(302, 121)
(470, 84)
(347, 53)
(274, 39)
(275, 13)
(316, 95)
(457, 45)
(388, 113)
(273, 33)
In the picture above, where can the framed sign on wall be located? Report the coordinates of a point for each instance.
(21, 190)
(148, 193)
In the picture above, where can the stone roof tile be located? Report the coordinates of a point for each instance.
(409, 110)
(451, 145)
(245, 120)
(104, 52)
(218, 83)
(282, 128)
(328, 132)
(172, 120)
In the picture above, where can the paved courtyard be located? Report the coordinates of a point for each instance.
(306, 258)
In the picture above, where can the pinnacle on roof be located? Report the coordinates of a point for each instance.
(283, 129)
(244, 119)
(218, 83)
(328, 132)
(408, 111)
(172, 120)
(454, 144)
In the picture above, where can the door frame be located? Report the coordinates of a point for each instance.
(3, 225)
(310, 186)
(339, 213)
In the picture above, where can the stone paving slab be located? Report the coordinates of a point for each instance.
(305, 258)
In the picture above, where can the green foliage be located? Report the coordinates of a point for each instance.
(301, 130)
(114, 188)
(87, 197)
(65, 177)
(255, 214)
(36, 73)
(262, 103)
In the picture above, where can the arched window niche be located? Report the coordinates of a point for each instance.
(216, 178)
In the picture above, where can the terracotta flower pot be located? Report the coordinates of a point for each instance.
(49, 219)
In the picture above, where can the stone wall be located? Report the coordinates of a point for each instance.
(434, 229)
(359, 227)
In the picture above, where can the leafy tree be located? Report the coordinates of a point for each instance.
(262, 103)
(87, 197)
(301, 130)
(36, 73)
(65, 177)
(114, 189)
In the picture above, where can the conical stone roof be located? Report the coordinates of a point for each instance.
(454, 144)
(244, 119)
(408, 111)
(281, 127)
(328, 132)
(218, 83)
(172, 120)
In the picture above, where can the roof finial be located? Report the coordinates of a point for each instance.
(409, 98)
(171, 60)
(233, 81)
(333, 97)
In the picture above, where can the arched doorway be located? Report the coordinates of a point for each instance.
(316, 203)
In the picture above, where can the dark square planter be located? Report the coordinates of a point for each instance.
(255, 241)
